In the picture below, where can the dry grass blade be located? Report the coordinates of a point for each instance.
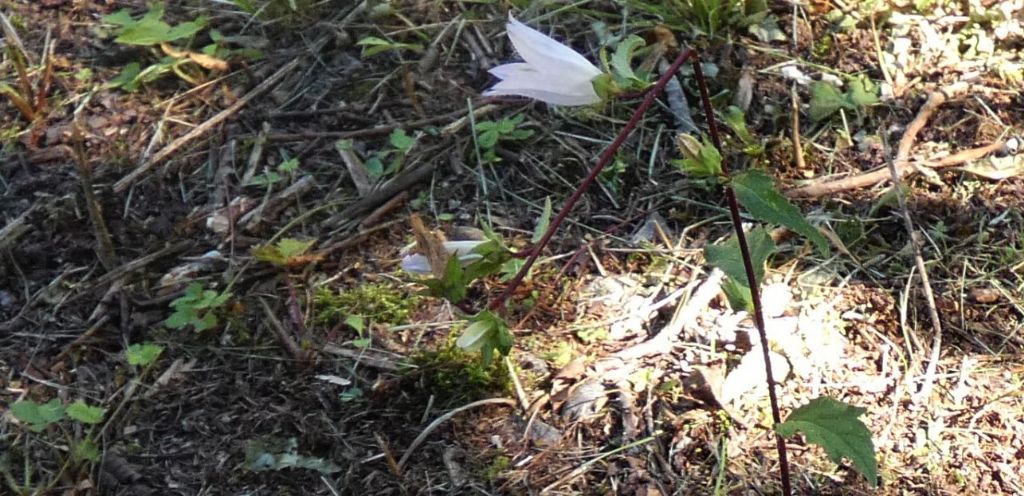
(444, 418)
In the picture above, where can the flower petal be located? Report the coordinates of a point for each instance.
(416, 264)
(523, 80)
(544, 96)
(546, 54)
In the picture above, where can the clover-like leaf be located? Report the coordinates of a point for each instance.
(145, 353)
(85, 413)
(835, 426)
(38, 416)
(756, 191)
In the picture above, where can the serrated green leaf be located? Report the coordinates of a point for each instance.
(623, 57)
(488, 138)
(143, 354)
(179, 319)
(542, 222)
(825, 100)
(209, 321)
(38, 416)
(835, 426)
(728, 259)
(756, 191)
(85, 413)
(290, 248)
(401, 141)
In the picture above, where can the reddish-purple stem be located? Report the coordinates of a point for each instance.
(734, 210)
(605, 158)
(748, 265)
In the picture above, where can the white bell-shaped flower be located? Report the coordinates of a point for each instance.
(552, 72)
(416, 263)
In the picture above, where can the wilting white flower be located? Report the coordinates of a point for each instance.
(416, 263)
(552, 72)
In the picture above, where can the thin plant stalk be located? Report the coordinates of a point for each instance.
(748, 266)
(734, 211)
(602, 162)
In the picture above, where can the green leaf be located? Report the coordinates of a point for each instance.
(401, 141)
(477, 335)
(356, 322)
(623, 57)
(273, 454)
(486, 333)
(290, 248)
(87, 450)
(143, 354)
(126, 78)
(736, 121)
(738, 295)
(86, 414)
(862, 92)
(145, 32)
(290, 165)
(373, 45)
(209, 321)
(825, 100)
(36, 415)
(729, 260)
(488, 138)
(374, 167)
(542, 222)
(835, 426)
(186, 29)
(180, 319)
(120, 18)
(756, 191)
(767, 30)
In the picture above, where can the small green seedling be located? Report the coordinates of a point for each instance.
(490, 133)
(287, 252)
(143, 355)
(151, 31)
(196, 308)
(826, 99)
(271, 177)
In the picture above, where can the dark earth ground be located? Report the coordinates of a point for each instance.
(69, 307)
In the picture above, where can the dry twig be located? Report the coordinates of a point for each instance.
(902, 162)
(204, 128)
